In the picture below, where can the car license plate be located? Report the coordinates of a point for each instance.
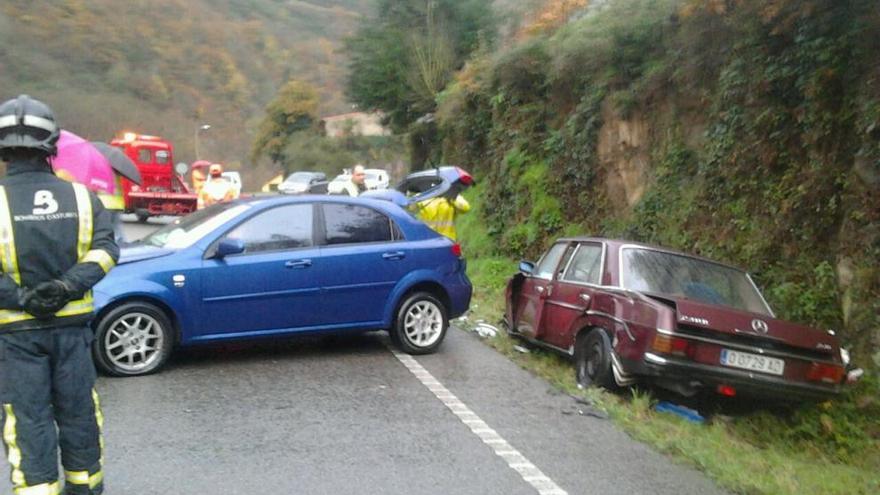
(753, 362)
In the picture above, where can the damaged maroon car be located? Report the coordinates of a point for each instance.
(629, 312)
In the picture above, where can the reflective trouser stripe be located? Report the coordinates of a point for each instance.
(9, 258)
(84, 478)
(53, 488)
(10, 437)
(99, 419)
(100, 257)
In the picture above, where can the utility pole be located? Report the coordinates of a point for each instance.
(203, 127)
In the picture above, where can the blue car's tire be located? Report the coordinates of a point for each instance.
(420, 325)
(132, 339)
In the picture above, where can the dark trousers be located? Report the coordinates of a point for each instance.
(47, 379)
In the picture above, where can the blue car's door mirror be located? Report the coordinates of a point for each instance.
(527, 267)
(229, 247)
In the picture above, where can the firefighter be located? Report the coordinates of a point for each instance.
(216, 189)
(56, 242)
(440, 212)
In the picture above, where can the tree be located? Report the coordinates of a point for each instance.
(294, 109)
(401, 59)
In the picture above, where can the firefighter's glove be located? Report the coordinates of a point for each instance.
(48, 298)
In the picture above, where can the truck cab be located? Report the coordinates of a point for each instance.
(162, 190)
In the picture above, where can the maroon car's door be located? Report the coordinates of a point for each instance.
(572, 294)
(535, 289)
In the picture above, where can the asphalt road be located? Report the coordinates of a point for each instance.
(348, 415)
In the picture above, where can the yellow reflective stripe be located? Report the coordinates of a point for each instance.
(99, 418)
(8, 257)
(53, 488)
(78, 307)
(100, 257)
(96, 479)
(13, 453)
(76, 477)
(84, 212)
(84, 478)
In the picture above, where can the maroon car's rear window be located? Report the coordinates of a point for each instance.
(647, 270)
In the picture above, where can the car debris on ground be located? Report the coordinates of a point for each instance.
(684, 412)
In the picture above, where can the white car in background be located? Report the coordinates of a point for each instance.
(234, 178)
(376, 179)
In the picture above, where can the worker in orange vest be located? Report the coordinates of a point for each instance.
(216, 189)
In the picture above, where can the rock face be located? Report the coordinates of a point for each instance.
(624, 156)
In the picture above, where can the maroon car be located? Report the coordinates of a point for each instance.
(629, 312)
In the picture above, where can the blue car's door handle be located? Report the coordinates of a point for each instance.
(394, 255)
(298, 264)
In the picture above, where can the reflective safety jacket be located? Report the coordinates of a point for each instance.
(115, 201)
(215, 191)
(50, 229)
(439, 213)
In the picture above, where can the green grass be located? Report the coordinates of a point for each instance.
(831, 448)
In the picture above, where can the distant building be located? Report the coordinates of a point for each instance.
(354, 124)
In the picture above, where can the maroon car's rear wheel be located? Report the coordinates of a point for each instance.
(593, 359)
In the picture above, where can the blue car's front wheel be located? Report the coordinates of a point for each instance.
(420, 325)
(132, 339)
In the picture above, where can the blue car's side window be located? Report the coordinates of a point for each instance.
(285, 227)
(346, 224)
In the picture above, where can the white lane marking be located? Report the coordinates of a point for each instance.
(514, 459)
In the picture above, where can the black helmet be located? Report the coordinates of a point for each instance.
(28, 123)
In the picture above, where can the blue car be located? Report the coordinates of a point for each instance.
(278, 266)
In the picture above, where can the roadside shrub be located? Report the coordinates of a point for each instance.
(844, 430)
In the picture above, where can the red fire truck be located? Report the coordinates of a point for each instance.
(163, 190)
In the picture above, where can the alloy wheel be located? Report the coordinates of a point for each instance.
(423, 323)
(134, 342)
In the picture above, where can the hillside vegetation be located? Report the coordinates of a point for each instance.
(165, 66)
(746, 131)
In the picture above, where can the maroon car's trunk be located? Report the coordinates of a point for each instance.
(755, 329)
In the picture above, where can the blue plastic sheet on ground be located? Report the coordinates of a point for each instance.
(682, 411)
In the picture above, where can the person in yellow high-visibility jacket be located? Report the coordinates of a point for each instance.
(440, 212)
(115, 204)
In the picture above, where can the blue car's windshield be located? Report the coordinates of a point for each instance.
(185, 231)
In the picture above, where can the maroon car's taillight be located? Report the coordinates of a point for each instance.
(672, 345)
(827, 373)
(456, 250)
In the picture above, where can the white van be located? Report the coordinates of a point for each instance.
(235, 179)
